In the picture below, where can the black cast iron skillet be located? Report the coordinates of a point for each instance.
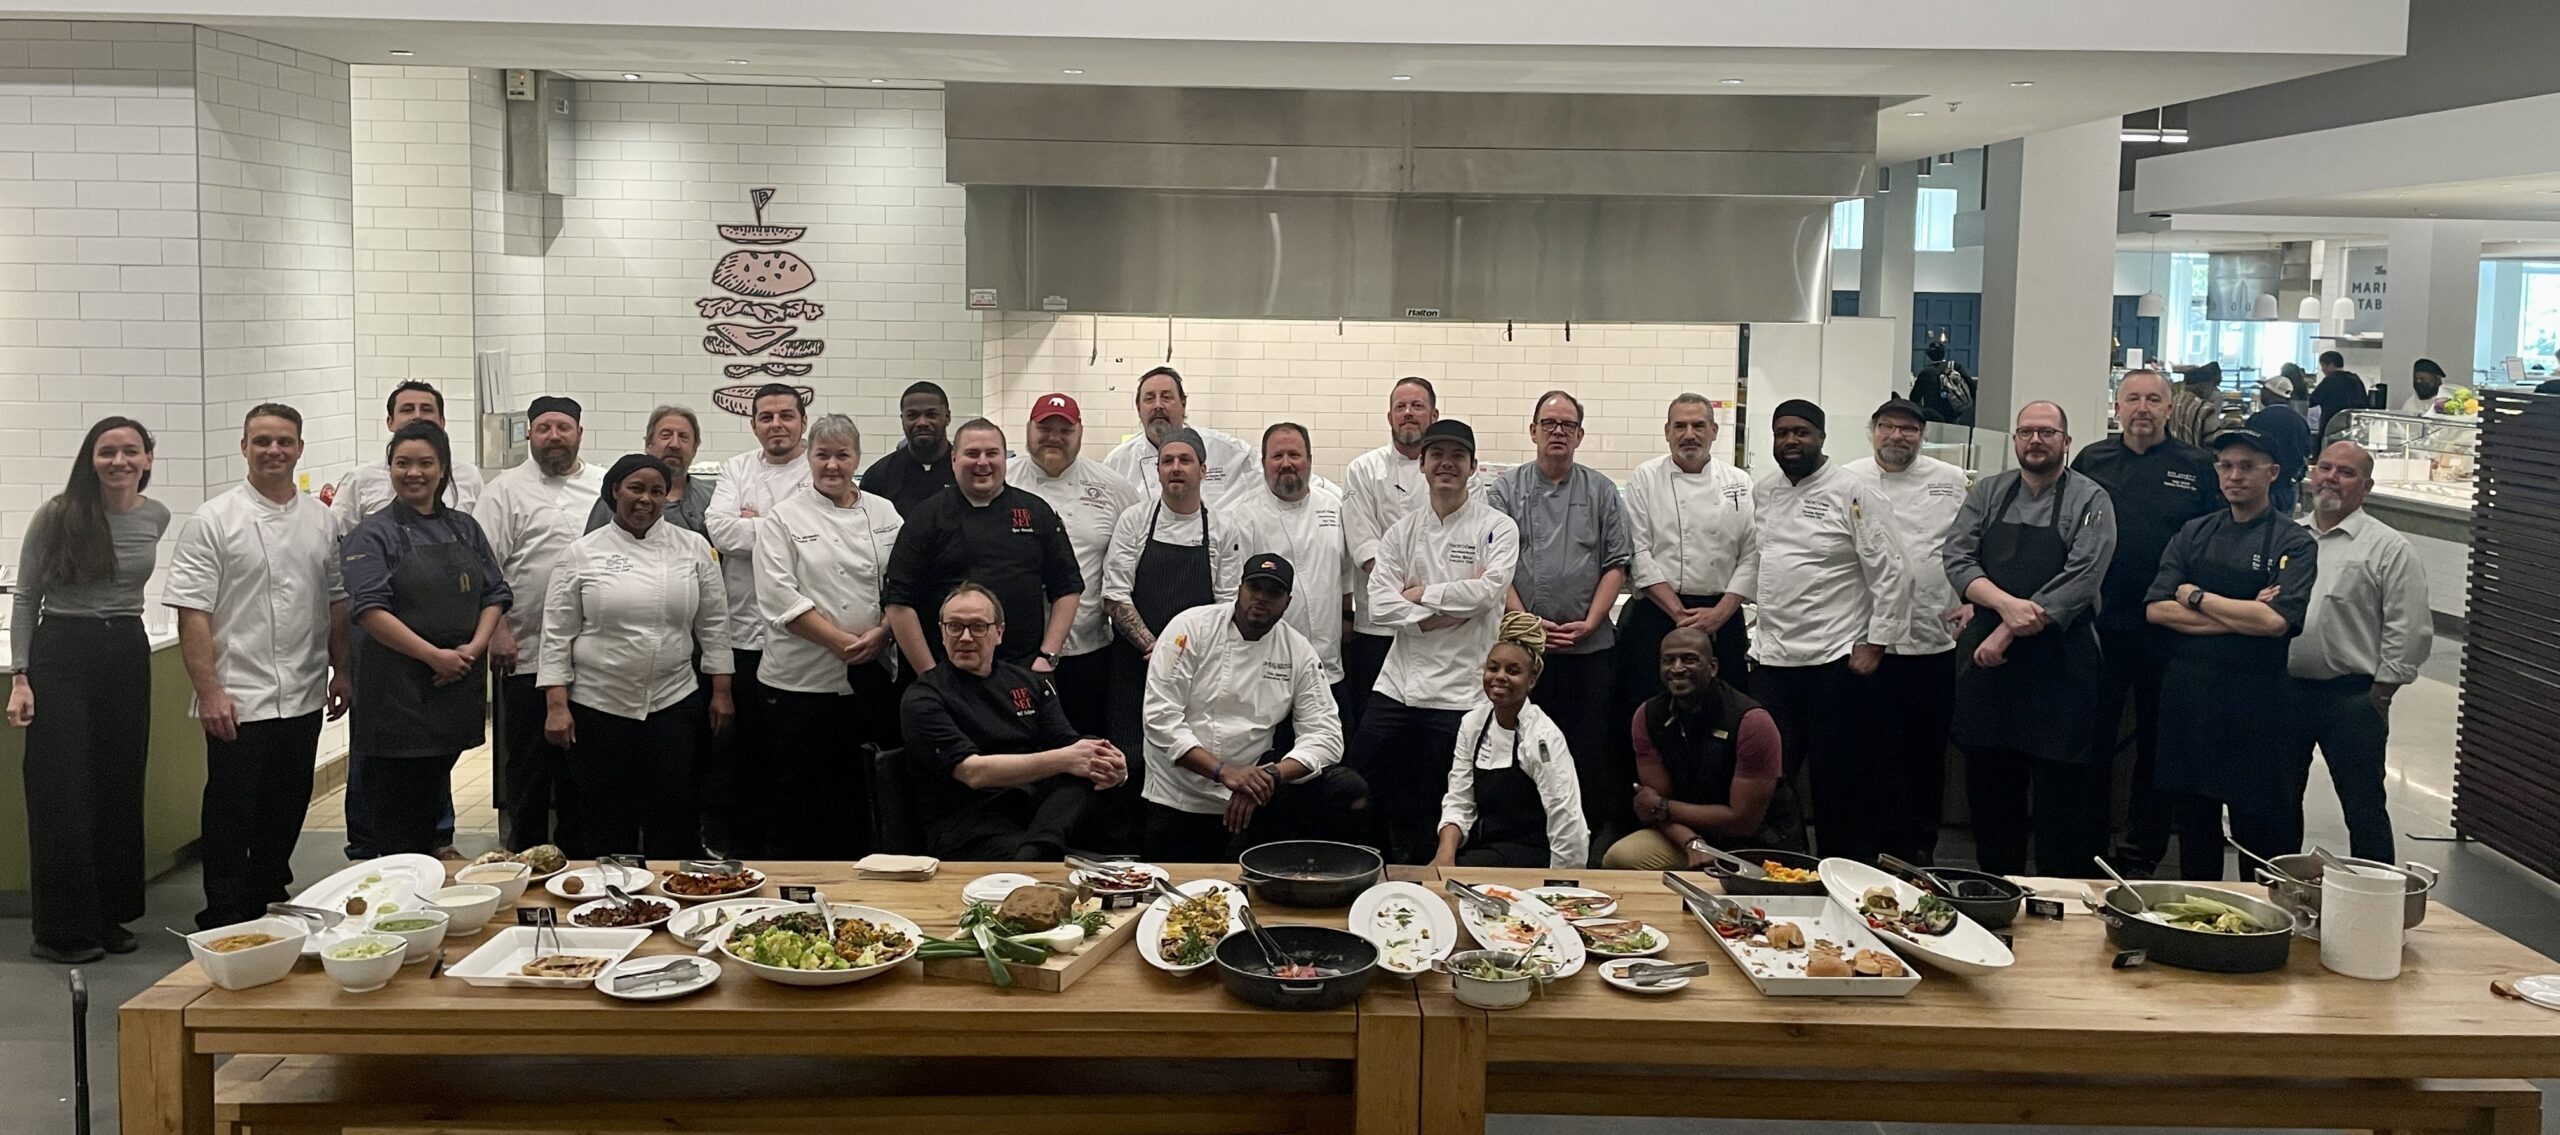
(1352, 959)
(1310, 874)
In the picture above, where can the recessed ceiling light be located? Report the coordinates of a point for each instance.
(2022, 82)
(1915, 114)
(879, 81)
(737, 62)
(1073, 71)
(1730, 82)
(631, 75)
(402, 52)
(1401, 78)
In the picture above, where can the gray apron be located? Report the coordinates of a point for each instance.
(399, 711)
(2040, 701)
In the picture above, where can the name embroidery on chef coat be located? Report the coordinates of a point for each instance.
(1735, 494)
(1943, 489)
(2182, 481)
(1462, 553)
(1277, 671)
(1816, 510)
(616, 563)
(1328, 518)
(1021, 521)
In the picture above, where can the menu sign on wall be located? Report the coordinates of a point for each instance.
(2368, 279)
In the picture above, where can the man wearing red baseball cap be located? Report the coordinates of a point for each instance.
(1088, 499)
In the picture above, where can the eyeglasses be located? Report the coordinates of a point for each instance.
(1896, 428)
(2241, 466)
(2036, 433)
(1557, 425)
(968, 630)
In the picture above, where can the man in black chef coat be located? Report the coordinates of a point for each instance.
(921, 465)
(2157, 484)
(2232, 589)
(992, 534)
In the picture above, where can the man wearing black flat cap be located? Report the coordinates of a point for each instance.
(2233, 589)
(530, 514)
(1834, 589)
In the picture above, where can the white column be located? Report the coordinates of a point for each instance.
(1885, 260)
(2048, 268)
(2433, 308)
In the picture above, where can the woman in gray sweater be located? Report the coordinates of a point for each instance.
(80, 666)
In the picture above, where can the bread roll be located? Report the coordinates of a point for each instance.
(761, 274)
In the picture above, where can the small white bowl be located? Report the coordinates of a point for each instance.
(364, 975)
(257, 965)
(511, 879)
(423, 942)
(470, 905)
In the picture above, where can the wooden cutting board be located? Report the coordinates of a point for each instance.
(1051, 976)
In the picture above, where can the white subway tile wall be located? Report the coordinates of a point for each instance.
(414, 280)
(660, 166)
(1334, 377)
(509, 232)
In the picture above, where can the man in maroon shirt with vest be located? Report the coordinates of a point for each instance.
(1708, 768)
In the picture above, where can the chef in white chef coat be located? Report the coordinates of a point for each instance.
(1380, 487)
(1226, 463)
(1689, 518)
(1088, 499)
(1915, 682)
(751, 483)
(1833, 588)
(367, 487)
(1439, 580)
(530, 514)
(1299, 518)
(1243, 744)
(820, 556)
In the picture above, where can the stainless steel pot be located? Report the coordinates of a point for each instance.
(2304, 901)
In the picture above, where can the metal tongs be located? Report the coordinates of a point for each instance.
(1734, 865)
(710, 866)
(682, 969)
(1655, 973)
(1716, 908)
(328, 919)
(1489, 905)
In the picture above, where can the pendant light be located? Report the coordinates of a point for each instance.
(2309, 312)
(2343, 310)
(2264, 308)
(2151, 306)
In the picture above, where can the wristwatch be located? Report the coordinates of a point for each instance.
(2195, 598)
(1046, 656)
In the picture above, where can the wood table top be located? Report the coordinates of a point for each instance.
(2061, 1008)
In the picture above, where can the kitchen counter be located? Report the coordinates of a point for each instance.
(173, 793)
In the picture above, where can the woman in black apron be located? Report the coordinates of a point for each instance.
(2023, 724)
(424, 594)
(1514, 799)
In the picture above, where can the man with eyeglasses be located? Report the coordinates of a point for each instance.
(2233, 589)
(2157, 484)
(1574, 551)
(1000, 773)
(1915, 680)
(2028, 552)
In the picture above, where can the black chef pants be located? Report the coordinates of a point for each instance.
(359, 801)
(2017, 797)
(812, 780)
(531, 784)
(1331, 805)
(633, 780)
(2338, 716)
(2134, 661)
(1026, 825)
(1819, 717)
(1579, 692)
(1084, 691)
(86, 750)
(2270, 829)
(1403, 753)
(408, 799)
(257, 788)
(1363, 656)
(729, 770)
(1907, 725)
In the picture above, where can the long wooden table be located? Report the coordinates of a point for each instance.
(2299, 1038)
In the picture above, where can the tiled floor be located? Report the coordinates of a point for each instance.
(35, 1049)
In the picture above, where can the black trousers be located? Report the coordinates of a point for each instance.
(813, 782)
(2338, 716)
(2197, 821)
(408, 798)
(2017, 798)
(1907, 726)
(533, 789)
(1084, 691)
(257, 789)
(1363, 655)
(634, 783)
(2134, 661)
(359, 801)
(1331, 805)
(1580, 693)
(728, 777)
(86, 750)
(1403, 753)
(1821, 729)
(1027, 825)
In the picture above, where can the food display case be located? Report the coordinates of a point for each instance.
(2422, 468)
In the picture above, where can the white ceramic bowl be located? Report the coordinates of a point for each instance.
(842, 911)
(364, 975)
(1509, 993)
(257, 965)
(423, 942)
(510, 878)
(469, 905)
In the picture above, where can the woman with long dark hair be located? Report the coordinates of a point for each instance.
(76, 638)
(424, 595)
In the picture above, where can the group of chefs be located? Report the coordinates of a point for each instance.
(1196, 643)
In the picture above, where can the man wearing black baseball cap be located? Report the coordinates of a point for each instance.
(1243, 742)
(2234, 586)
(1438, 583)
(1915, 681)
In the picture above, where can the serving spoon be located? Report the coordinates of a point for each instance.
(2141, 905)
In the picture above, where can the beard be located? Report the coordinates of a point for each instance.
(1800, 465)
(556, 461)
(2041, 463)
(1158, 427)
(1406, 435)
(1288, 485)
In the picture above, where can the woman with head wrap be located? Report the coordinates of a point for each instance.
(630, 606)
(1513, 798)
(424, 596)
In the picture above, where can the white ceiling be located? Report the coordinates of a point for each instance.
(2491, 162)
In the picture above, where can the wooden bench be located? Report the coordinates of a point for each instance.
(710, 1095)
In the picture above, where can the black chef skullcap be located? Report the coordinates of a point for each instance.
(554, 404)
(623, 469)
(1799, 408)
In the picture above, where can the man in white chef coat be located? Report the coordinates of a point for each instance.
(1689, 531)
(530, 514)
(262, 628)
(1439, 581)
(1833, 589)
(751, 483)
(1243, 744)
(1915, 682)
(1299, 519)
(1088, 500)
(367, 487)
(1380, 487)
(1163, 407)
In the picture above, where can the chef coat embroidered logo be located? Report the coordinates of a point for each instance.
(1943, 489)
(1277, 671)
(1816, 510)
(1022, 520)
(1328, 518)
(2179, 479)
(810, 538)
(1735, 494)
(1021, 699)
(1182, 644)
(616, 563)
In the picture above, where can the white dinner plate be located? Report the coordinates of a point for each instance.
(1613, 972)
(992, 889)
(1661, 941)
(591, 880)
(1151, 924)
(1601, 904)
(709, 973)
(571, 919)
(394, 879)
(1967, 949)
(1562, 946)
(1407, 923)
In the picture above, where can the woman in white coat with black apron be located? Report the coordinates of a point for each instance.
(1167, 556)
(1514, 799)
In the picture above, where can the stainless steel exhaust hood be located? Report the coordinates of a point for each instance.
(1378, 205)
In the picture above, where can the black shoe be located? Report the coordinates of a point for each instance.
(119, 940)
(79, 955)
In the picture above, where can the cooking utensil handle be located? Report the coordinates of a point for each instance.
(1918, 877)
(1302, 989)
(2422, 871)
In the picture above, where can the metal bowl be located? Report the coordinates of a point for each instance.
(2306, 868)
